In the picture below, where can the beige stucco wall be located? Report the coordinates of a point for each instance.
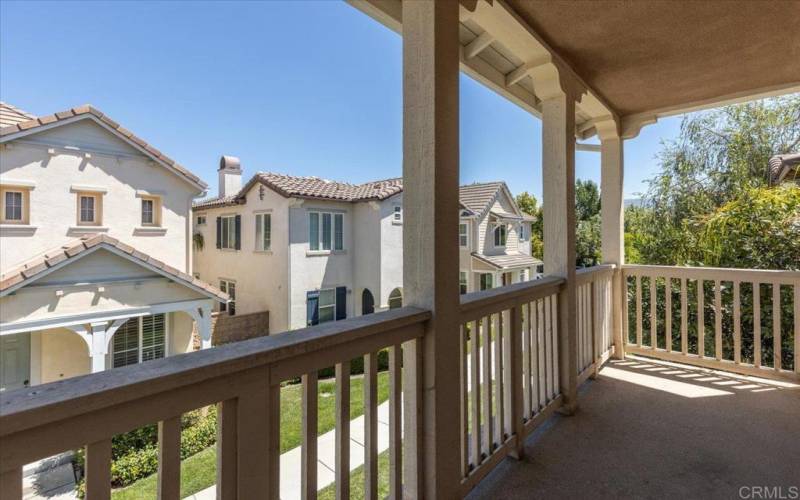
(63, 354)
(112, 165)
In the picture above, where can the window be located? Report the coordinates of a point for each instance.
(228, 287)
(201, 220)
(487, 281)
(523, 275)
(151, 211)
(325, 305)
(140, 339)
(89, 209)
(229, 232)
(522, 232)
(263, 232)
(500, 236)
(462, 282)
(15, 210)
(325, 231)
(396, 299)
(463, 235)
(397, 216)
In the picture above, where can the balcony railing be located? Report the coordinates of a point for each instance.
(740, 320)
(510, 380)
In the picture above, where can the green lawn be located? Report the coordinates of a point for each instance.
(357, 481)
(199, 471)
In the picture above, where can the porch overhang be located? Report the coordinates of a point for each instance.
(632, 62)
(505, 262)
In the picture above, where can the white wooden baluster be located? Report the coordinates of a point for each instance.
(701, 319)
(465, 458)
(499, 392)
(684, 319)
(342, 431)
(533, 332)
(777, 345)
(515, 387)
(371, 426)
(548, 355)
(540, 352)
(526, 362)
(486, 359)
(308, 452)
(508, 374)
(556, 346)
(737, 322)
(395, 424)
(639, 311)
(717, 320)
(169, 459)
(653, 312)
(98, 470)
(475, 393)
(668, 311)
(756, 324)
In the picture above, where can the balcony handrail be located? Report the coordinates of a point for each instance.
(588, 274)
(39, 406)
(712, 273)
(476, 305)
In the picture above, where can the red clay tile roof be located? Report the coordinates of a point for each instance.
(86, 109)
(11, 115)
(16, 277)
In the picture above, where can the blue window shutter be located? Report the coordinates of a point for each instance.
(312, 308)
(219, 232)
(238, 232)
(341, 302)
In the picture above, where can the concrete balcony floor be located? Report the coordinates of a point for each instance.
(650, 429)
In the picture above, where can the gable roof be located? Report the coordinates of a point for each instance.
(42, 265)
(33, 124)
(313, 188)
(11, 115)
(479, 197)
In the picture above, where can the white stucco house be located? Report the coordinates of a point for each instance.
(95, 249)
(310, 250)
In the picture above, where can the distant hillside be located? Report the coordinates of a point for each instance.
(633, 202)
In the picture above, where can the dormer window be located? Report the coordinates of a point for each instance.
(500, 236)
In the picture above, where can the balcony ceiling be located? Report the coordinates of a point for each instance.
(650, 56)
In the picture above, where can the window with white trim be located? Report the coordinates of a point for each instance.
(462, 282)
(229, 287)
(201, 220)
(325, 231)
(263, 232)
(463, 235)
(227, 230)
(522, 232)
(140, 339)
(487, 281)
(397, 215)
(500, 234)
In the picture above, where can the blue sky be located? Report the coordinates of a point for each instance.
(306, 88)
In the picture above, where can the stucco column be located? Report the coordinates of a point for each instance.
(204, 327)
(558, 173)
(99, 346)
(430, 240)
(612, 214)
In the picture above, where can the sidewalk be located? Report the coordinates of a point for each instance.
(326, 450)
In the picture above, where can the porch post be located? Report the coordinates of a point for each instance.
(612, 214)
(99, 346)
(430, 242)
(558, 172)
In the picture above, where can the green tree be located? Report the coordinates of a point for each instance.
(529, 205)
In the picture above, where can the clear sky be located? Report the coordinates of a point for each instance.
(305, 88)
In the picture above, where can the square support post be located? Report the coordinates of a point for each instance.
(430, 240)
(612, 214)
(558, 172)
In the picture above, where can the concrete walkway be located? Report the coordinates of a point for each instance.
(326, 450)
(648, 429)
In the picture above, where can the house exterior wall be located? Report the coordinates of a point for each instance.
(368, 253)
(390, 249)
(112, 165)
(63, 354)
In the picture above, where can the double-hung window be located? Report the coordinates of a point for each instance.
(151, 211)
(325, 305)
(463, 235)
(325, 231)
(229, 287)
(140, 339)
(14, 206)
(462, 282)
(229, 232)
(89, 209)
(263, 232)
(500, 235)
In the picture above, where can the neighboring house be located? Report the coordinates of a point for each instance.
(311, 250)
(94, 249)
(784, 168)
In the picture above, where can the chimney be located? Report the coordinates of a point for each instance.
(230, 176)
